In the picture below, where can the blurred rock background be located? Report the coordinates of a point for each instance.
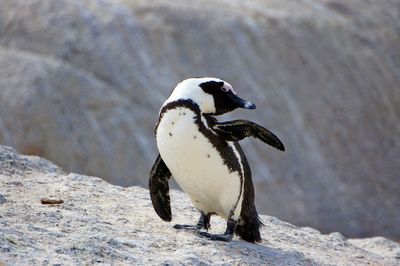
(81, 82)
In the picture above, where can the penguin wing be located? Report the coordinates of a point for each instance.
(159, 189)
(239, 129)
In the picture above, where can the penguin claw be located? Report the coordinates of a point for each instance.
(217, 237)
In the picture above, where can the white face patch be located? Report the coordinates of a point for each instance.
(189, 89)
(228, 87)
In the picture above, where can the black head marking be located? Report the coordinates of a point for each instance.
(222, 103)
(225, 100)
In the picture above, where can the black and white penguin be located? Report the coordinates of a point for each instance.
(205, 158)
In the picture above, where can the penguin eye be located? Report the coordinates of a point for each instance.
(224, 89)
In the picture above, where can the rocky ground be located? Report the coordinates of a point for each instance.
(50, 217)
(82, 81)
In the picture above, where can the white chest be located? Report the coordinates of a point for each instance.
(196, 165)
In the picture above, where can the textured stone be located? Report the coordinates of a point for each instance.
(81, 82)
(2, 199)
(103, 223)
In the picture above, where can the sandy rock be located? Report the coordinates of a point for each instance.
(12, 163)
(103, 223)
(54, 110)
(378, 245)
(82, 80)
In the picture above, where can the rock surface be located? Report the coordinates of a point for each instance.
(103, 223)
(81, 82)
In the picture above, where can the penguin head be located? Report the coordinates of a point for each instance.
(213, 96)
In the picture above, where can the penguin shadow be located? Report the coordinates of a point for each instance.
(262, 252)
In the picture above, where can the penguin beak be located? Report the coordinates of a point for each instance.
(239, 102)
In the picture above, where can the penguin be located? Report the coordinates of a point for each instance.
(205, 158)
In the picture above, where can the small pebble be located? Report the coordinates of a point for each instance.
(51, 201)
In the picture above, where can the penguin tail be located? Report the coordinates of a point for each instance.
(248, 227)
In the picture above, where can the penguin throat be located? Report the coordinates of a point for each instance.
(186, 103)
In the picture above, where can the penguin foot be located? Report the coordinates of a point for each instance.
(217, 237)
(204, 222)
(226, 237)
(187, 227)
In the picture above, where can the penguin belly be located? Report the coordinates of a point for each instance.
(197, 166)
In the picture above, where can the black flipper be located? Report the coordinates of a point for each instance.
(159, 189)
(249, 224)
(239, 129)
